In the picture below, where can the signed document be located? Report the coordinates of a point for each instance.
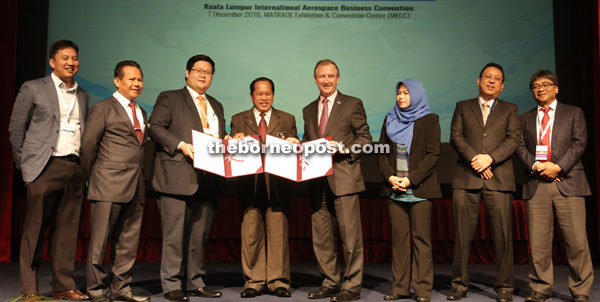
(298, 162)
(227, 158)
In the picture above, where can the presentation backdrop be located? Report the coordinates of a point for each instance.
(444, 44)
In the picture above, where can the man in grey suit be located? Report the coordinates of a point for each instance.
(45, 132)
(112, 156)
(554, 136)
(334, 197)
(484, 132)
(188, 197)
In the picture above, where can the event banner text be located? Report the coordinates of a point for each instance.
(220, 10)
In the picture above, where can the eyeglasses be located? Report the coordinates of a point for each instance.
(202, 72)
(489, 77)
(545, 86)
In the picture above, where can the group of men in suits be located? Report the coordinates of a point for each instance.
(550, 141)
(58, 154)
(59, 145)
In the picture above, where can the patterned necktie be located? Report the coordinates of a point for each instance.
(485, 112)
(545, 140)
(203, 113)
(324, 117)
(262, 127)
(136, 122)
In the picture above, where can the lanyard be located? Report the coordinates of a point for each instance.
(63, 101)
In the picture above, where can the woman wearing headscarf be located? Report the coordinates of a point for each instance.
(411, 182)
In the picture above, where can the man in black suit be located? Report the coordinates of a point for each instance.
(112, 156)
(335, 197)
(485, 133)
(554, 136)
(45, 132)
(188, 197)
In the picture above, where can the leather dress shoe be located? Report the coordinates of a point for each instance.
(204, 292)
(423, 299)
(392, 296)
(456, 294)
(130, 297)
(282, 292)
(323, 292)
(504, 296)
(31, 297)
(176, 295)
(580, 298)
(538, 297)
(74, 295)
(100, 299)
(345, 295)
(250, 293)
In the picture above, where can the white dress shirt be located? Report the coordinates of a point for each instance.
(69, 136)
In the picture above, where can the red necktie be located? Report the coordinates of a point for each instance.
(324, 118)
(262, 127)
(136, 122)
(546, 139)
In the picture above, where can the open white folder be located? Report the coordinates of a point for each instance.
(298, 162)
(213, 155)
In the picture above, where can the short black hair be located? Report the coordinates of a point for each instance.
(196, 58)
(262, 79)
(119, 68)
(58, 45)
(543, 74)
(491, 64)
(326, 62)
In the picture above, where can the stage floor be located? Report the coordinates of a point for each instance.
(227, 278)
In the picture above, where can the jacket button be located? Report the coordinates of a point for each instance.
(485, 134)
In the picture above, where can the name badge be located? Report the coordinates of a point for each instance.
(66, 127)
(541, 152)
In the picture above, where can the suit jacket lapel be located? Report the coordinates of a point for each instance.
(218, 113)
(335, 110)
(474, 104)
(53, 95)
(273, 122)
(187, 99)
(531, 131)
(125, 117)
(250, 121)
(145, 115)
(82, 109)
(313, 116)
(558, 120)
(491, 110)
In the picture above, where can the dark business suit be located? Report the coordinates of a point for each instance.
(498, 138)
(113, 161)
(54, 185)
(413, 219)
(569, 137)
(188, 196)
(265, 198)
(336, 196)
